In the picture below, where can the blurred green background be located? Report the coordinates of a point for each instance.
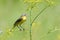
(49, 20)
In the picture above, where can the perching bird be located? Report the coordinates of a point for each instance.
(19, 22)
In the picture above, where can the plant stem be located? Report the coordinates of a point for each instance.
(40, 13)
(30, 27)
(32, 6)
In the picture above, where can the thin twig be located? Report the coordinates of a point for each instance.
(30, 26)
(40, 13)
(32, 6)
(35, 19)
(30, 20)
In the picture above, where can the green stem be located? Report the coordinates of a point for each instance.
(40, 13)
(30, 27)
(32, 6)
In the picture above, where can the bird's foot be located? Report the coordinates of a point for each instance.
(22, 29)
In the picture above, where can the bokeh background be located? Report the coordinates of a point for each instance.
(45, 27)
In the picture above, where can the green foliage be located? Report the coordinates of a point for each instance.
(43, 20)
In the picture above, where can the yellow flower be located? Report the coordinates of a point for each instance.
(50, 2)
(30, 1)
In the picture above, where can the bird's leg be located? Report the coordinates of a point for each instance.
(21, 28)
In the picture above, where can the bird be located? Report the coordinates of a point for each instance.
(19, 22)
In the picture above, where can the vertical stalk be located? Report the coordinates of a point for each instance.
(32, 6)
(30, 24)
(30, 27)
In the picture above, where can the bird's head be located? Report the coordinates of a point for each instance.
(23, 16)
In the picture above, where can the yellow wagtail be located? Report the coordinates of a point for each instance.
(19, 21)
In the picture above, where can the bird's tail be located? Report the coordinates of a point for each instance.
(11, 30)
